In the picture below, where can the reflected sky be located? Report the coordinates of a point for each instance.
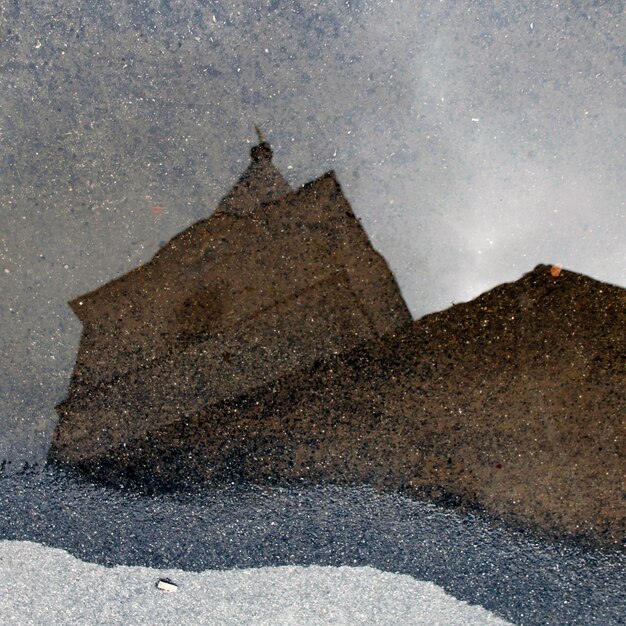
(473, 139)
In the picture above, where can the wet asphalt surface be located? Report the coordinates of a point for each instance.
(520, 577)
(125, 123)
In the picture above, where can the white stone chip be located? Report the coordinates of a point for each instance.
(167, 585)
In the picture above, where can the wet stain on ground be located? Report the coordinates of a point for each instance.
(518, 576)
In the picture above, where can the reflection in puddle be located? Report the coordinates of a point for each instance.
(473, 139)
(272, 282)
(270, 343)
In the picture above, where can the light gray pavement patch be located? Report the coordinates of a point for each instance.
(41, 585)
(519, 577)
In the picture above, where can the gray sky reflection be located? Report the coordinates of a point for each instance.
(473, 139)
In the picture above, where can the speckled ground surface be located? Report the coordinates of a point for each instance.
(516, 575)
(279, 596)
(473, 141)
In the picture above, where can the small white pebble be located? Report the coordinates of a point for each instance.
(167, 585)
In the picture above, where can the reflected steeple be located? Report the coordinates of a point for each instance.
(272, 282)
(261, 182)
(259, 133)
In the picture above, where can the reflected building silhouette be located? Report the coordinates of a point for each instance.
(274, 280)
(270, 343)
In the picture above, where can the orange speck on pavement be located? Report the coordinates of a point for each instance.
(555, 270)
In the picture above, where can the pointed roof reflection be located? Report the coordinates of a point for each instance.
(261, 182)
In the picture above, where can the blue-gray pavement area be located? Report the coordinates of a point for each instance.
(521, 578)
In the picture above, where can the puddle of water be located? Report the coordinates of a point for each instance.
(471, 142)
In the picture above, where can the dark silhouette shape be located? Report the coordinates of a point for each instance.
(270, 343)
(274, 280)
